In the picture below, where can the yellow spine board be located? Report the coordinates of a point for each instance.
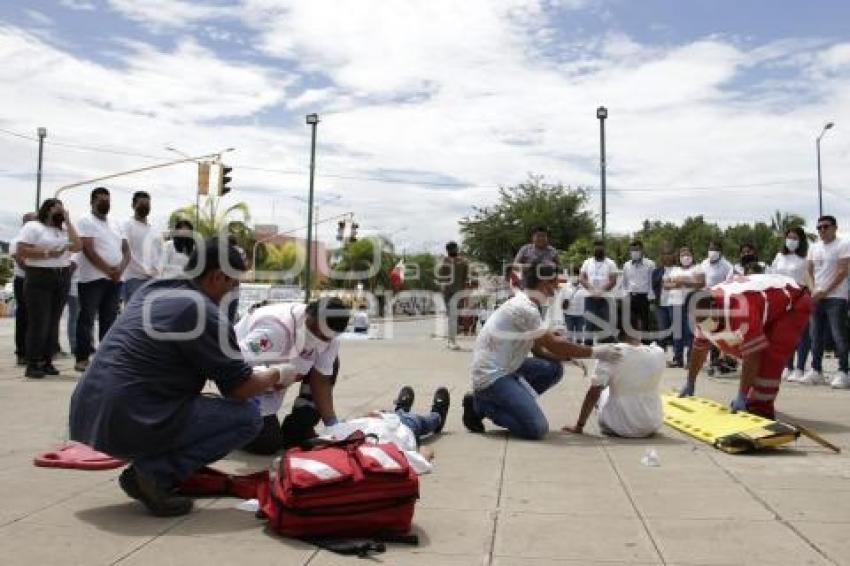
(714, 424)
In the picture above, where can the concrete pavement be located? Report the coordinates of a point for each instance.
(492, 500)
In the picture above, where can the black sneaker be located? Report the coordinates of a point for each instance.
(441, 406)
(159, 502)
(34, 371)
(127, 481)
(404, 400)
(50, 369)
(471, 420)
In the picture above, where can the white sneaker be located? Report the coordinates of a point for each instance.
(840, 381)
(813, 378)
(786, 374)
(796, 376)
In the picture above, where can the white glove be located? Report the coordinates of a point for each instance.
(339, 431)
(288, 374)
(607, 353)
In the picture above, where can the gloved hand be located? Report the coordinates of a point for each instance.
(607, 353)
(687, 389)
(339, 430)
(739, 403)
(288, 375)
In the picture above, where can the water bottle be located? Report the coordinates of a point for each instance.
(650, 458)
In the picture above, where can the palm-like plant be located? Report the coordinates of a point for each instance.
(210, 221)
(780, 222)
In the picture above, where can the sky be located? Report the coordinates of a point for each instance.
(428, 106)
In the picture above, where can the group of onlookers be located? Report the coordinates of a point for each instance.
(88, 266)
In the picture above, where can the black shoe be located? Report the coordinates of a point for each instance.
(34, 371)
(471, 420)
(159, 502)
(404, 400)
(50, 369)
(441, 406)
(22, 361)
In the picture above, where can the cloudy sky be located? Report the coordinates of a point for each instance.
(428, 106)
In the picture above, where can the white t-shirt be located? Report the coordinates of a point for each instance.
(790, 265)
(43, 236)
(630, 406)
(275, 334)
(599, 272)
(825, 258)
(145, 250)
(107, 243)
(389, 428)
(13, 250)
(74, 287)
(575, 294)
(361, 320)
(505, 341)
(637, 277)
(173, 262)
(676, 297)
(716, 272)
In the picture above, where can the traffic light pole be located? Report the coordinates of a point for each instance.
(313, 120)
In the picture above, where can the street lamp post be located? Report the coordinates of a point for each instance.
(42, 133)
(312, 120)
(827, 126)
(602, 114)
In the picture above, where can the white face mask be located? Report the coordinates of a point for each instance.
(713, 255)
(636, 255)
(686, 260)
(792, 244)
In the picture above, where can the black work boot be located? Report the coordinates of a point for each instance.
(159, 502)
(404, 400)
(441, 406)
(471, 420)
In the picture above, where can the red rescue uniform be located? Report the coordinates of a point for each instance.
(763, 314)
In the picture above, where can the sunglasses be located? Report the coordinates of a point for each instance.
(824, 227)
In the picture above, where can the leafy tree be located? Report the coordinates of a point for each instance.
(494, 234)
(359, 257)
(210, 221)
(423, 267)
(6, 270)
(780, 222)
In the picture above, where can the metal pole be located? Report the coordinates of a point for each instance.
(310, 209)
(602, 171)
(42, 133)
(820, 186)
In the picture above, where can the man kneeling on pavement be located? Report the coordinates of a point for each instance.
(505, 380)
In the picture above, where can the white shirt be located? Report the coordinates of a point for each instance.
(13, 250)
(676, 297)
(505, 341)
(630, 406)
(389, 428)
(74, 287)
(107, 243)
(361, 320)
(173, 262)
(41, 235)
(145, 250)
(790, 265)
(575, 294)
(637, 276)
(598, 272)
(825, 258)
(716, 272)
(275, 334)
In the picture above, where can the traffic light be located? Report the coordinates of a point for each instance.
(353, 236)
(203, 178)
(225, 178)
(340, 230)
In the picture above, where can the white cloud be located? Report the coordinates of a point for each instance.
(80, 5)
(39, 18)
(170, 14)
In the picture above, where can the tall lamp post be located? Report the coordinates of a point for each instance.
(602, 114)
(42, 133)
(827, 126)
(312, 120)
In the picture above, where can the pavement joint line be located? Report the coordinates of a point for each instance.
(777, 516)
(55, 503)
(316, 552)
(633, 503)
(497, 511)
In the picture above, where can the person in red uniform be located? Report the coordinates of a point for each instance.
(757, 319)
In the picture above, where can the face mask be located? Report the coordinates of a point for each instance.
(143, 211)
(599, 254)
(748, 258)
(792, 244)
(57, 218)
(686, 260)
(636, 255)
(713, 255)
(102, 208)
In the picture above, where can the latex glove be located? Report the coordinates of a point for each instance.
(339, 431)
(687, 389)
(607, 353)
(288, 375)
(739, 403)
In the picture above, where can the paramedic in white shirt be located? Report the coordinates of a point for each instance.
(599, 276)
(505, 380)
(626, 393)
(19, 267)
(791, 262)
(145, 246)
(307, 337)
(828, 263)
(637, 288)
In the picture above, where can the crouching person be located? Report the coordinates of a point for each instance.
(141, 399)
(626, 392)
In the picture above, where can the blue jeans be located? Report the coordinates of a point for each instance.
(575, 326)
(830, 315)
(664, 323)
(421, 425)
(131, 286)
(73, 315)
(682, 335)
(215, 428)
(803, 348)
(604, 309)
(510, 405)
(97, 298)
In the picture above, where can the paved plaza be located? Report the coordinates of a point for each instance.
(492, 500)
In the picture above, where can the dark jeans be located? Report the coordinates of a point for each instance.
(601, 328)
(829, 316)
(638, 312)
(804, 346)
(20, 318)
(269, 440)
(214, 428)
(664, 324)
(509, 404)
(45, 291)
(99, 297)
(73, 316)
(575, 327)
(682, 335)
(131, 286)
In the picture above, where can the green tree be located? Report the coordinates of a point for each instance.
(424, 264)
(780, 222)
(209, 220)
(494, 234)
(6, 270)
(359, 258)
(282, 257)
(759, 234)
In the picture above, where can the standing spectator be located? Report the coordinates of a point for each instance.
(663, 310)
(45, 243)
(828, 263)
(749, 260)
(637, 287)
(176, 251)
(360, 320)
(681, 283)
(574, 295)
(452, 275)
(104, 258)
(73, 301)
(791, 262)
(20, 301)
(145, 246)
(538, 250)
(715, 269)
(599, 276)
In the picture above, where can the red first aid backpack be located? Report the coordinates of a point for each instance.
(351, 488)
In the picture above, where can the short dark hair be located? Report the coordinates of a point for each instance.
(537, 272)
(750, 245)
(636, 244)
(97, 191)
(138, 195)
(715, 244)
(330, 311)
(210, 255)
(537, 229)
(829, 218)
(802, 249)
(451, 246)
(45, 207)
